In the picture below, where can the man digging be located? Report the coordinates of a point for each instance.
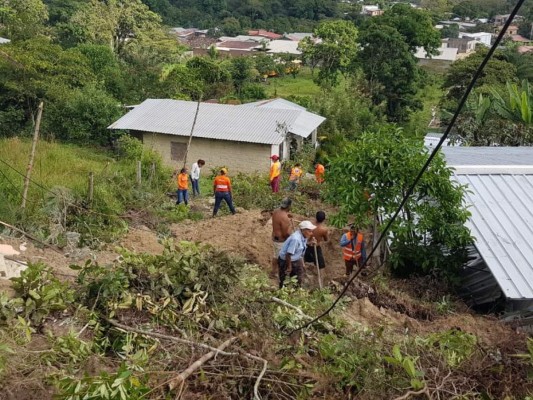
(281, 230)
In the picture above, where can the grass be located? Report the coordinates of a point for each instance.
(302, 85)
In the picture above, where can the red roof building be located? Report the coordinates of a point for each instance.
(265, 34)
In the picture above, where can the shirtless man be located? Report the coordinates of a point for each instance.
(281, 230)
(321, 234)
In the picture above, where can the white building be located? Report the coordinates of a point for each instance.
(481, 37)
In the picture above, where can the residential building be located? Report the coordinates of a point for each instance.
(265, 34)
(446, 55)
(500, 20)
(283, 47)
(463, 45)
(500, 198)
(241, 137)
(484, 38)
(372, 11)
(297, 36)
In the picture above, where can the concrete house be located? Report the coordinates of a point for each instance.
(241, 137)
(500, 197)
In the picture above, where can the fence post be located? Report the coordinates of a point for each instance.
(91, 189)
(32, 155)
(139, 173)
(152, 172)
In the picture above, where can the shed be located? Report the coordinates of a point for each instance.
(500, 197)
(241, 137)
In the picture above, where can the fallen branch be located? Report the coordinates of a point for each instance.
(182, 376)
(31, 237)
(213, 352)
(411, 393)
(300, 312)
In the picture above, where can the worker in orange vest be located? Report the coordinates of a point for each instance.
(275, 173)
(222, 191)
(294, 178)
(319, 172)
(183, 187)
(353, 249)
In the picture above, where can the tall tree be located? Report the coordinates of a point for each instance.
(335, 50)
(22, 19)
(390, 69)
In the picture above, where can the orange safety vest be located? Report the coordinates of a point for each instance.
(295, 174)
(183, 181)
(319, 173)
(275, 170)
(222, 184)
(353, 253)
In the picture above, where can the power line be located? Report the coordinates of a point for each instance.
(426, 165)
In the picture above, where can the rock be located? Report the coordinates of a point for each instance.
(240, 210)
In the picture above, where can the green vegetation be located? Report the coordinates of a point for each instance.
(287, 86)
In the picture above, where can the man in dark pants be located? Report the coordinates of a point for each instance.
(222, 189)
(292, 253)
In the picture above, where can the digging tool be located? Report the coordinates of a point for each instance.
(317, 267)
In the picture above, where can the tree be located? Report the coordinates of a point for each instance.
(241, 71)
(416, 27)
(22, 19)
(390, 69)
(116, 23)
(335, 51)
(450, 31)
(497, 72)
(429, 233)
(231, 27)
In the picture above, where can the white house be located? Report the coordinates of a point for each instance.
(482, 37)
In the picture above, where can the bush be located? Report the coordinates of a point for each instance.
(253, 91)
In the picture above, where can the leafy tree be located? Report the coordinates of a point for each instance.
(22, 19)
(416, 27)
(390, 69)
(116, 23)
(335, 52)
(264, 63)
(242, 72)
(468, 9)
(429, 233)
(497, 72)
(231, 26)
(450, 31)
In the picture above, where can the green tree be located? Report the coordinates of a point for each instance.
(496, 73)
(242, 72)
(429, 233)
(116, 23)
(415, 25)
(391, 71)
(231, 26)
(450, 31)
(335, 51)
(22, 19)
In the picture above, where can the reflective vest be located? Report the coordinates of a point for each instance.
(275, 170)
(222, 184)
(295, 174)
(351, 252)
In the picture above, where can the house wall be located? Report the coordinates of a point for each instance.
(236, 156)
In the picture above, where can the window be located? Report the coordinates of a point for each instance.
(177, 151)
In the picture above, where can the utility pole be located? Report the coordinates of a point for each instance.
(32, 155)
(192, 130)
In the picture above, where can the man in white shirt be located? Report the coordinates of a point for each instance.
(195, 176)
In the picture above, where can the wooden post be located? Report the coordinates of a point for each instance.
(91, 189)
(139, 173)
(152, 172)
(192, 130)
(32, 155)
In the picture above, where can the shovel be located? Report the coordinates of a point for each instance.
(317, 268)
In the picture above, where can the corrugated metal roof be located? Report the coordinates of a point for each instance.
(488, 155)
(306, 122)
(215, 121)
(502, 224)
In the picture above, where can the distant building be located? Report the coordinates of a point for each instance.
(521, 39)
(283, 47)
(502, 19)
(463, 45)
(372, 11)
(265, 34)
(462, 25)
(484, 38)
(525, 49)
(297, 36)
(446, 55)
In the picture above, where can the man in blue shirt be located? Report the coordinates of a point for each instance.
(292, 253)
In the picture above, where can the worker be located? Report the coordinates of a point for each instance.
(195, 177)
(292, 252)
(275, 173)
(319, 172)
(281, 230)
(294, 178)
(353, 249)
(222, 191)
(321, 234)
(183, 187)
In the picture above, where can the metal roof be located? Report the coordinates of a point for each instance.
(488, 156)
(306, 122)
(215, 121)
(4, 40)
(502, 224)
